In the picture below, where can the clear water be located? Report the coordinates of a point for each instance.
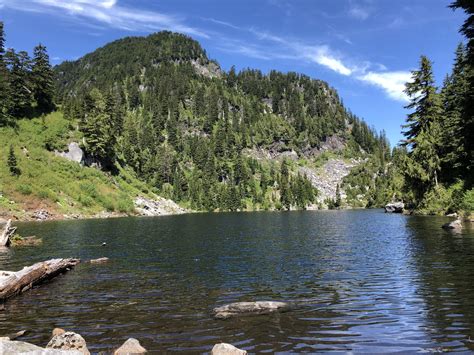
(371, 282)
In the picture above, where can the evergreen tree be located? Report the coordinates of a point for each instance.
(19, 83)
(338, 202)
(12, 163)
(285, 192)
(43, 80)
(4, 87)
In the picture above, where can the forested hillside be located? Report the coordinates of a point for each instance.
(188, 128)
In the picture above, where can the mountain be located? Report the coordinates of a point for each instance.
(212, 139)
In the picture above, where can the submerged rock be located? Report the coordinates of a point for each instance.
(226, 349)
(131, 346)
(69, 341)
(99, 261)
(249, 308)
(454, 225)
(394, 207)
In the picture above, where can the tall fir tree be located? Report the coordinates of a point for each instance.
(4, 87)
(43, 80)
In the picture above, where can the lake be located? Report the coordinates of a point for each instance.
(370, 282)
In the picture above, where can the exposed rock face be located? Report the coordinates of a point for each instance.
(131, 346)
(249, 308)
(394, 207)
(455, 226)
(69, 341)
(226, 349)
(20, 347)
(209, 70)
(74, 153)
(157, 207)
(326, 178)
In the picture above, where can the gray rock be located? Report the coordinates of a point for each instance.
(74, 153)
(454, 225)
(131, 346)
(226, 349)
(394, 207)
(41, 215)
(157, 207)
(69, 341)
(8, 347)
(249, 308)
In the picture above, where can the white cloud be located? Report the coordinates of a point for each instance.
(393, 83)
(107, 12)
(324, 57)
(359, 13)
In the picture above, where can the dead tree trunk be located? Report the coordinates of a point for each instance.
(14, 283)
(6, 234)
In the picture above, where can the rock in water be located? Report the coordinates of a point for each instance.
(131, 346)
(454, 225)
(249, 308)
(226, 349)
(69, 341)
(99, 261)
(394, 207)
(20, 347)
(58, 331)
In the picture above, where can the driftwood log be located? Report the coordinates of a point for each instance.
(14, 283)
(6, 233)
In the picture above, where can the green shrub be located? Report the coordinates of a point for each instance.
(24, 189)
(85, 200)
(124, 204)
(467, 203)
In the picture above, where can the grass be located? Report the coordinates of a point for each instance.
(54, 183)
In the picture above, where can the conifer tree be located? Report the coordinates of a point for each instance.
(43, 80)
(4, 87)
(285, 192)
(12, 163)
(19, 82)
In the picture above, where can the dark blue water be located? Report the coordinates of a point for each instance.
(371, 282)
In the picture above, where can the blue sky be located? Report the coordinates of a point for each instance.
(363, 48)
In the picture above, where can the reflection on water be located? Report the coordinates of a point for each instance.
(371, 282)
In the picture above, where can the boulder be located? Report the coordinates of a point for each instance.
(394, 207)
(454, 225)
(20, 347)
(74, 153)
(131, 346)
(68, 341)
(249, 308)
(226, 349)
(58, 331)
(41, 215)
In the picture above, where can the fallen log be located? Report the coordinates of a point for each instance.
(7, 232)
(14, 283)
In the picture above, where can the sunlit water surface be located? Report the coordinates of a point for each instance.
(369, 281)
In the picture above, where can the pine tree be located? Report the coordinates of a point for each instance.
(338, 202)
(12, 163)
(285, 191)
(43, 80)
(467, 131)
(4, 87)
(424, 100)
(19, 83)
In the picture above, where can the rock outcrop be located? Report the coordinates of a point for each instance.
(69, 341)
(394, 207)
(131, 346)
(226, 349)
(157, 207)
(249, 308)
